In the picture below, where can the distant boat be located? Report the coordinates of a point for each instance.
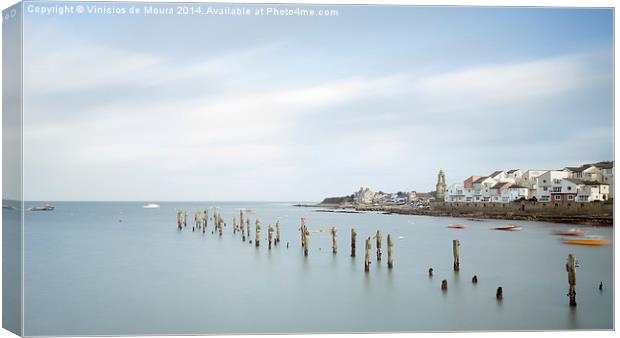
(45, 207)
(10, 207)
(587, 240)
(569, 232)
(150, 206)
(456, 226)
(509, 228)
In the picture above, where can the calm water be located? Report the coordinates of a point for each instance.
(87, 273)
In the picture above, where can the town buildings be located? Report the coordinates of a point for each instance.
(586, 183)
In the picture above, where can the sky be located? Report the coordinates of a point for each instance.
(157, 108)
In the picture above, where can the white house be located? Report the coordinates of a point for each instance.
(482, 189)
(593, 191)
(529, 179)
(455, 193)
(364, 195)
(513, 193)
(549, 182)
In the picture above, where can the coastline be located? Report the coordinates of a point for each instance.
(591, 220)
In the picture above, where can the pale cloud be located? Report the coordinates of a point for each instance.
(274, 137)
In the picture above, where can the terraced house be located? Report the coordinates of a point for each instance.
(586, 183)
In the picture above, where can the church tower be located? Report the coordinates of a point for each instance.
(440, 190)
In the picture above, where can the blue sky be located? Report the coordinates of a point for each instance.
(299, 108)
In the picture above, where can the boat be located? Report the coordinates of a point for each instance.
(150, 206)
(456, 226)
(6, 206)
(569, 232)
(45, 207)
(587, 240)
(508, 228)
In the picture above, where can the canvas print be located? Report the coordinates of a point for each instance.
(218, 168)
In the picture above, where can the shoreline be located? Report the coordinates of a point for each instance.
(591, 220)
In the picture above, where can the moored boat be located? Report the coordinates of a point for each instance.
(150, 206)
(45, 207)
(456, 226)
(587, 240)
(508, 228)
(569, 232)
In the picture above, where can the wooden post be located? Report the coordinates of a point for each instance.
(247, 227)
(270, 235)
(185, 219)
(367, 257)
(378, 237)
(444, 285)
(220, 223)
(456, 250)
(180, 219)
(353, 237)
(306, 243)
(277, 232)
(474, 279)
(571, 265)
(390, 244)
(205, 220)
(242, 224)
(302, 229)
(430, 272)
(257, 236)
(234, 225)
(499, 294)
(334, 244)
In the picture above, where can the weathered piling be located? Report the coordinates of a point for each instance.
(367, 256)
(302, 230)
(474, 279)
(242, 225)
(234, 225)
(180, 219)
(270, 235)
(571, 266)
(241, 222)
(205, 220)
(247, 228)
(430, 272)
(390, 245)
(499, 294)
(353, 237)
(185, 219)
(444, 285)
(277, 232)
(334, 244)
(600, 287)
(257, 235)
(306, 243)
(456, 250)
(378, 237)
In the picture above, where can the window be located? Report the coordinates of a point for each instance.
(545, 188)
(571, 197)
(557, 197)
(569, 188)
(557, 189)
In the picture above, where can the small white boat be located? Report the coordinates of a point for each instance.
(150, 206)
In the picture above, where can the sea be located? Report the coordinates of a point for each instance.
(116, 268)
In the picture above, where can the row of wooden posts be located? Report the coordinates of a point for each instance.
(201, 223)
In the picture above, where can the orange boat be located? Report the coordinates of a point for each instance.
(589, 240)
(508, 228)
(570, 232)
(456, 226)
